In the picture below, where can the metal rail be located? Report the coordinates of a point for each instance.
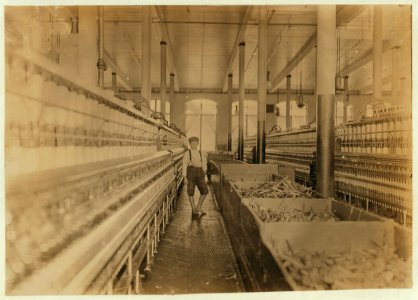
(87, 191)
(97, 198)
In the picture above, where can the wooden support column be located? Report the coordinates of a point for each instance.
(101, 65)
(326, 58)
(345, 99)
(377, 52)
(163, 87)
(241, 101)
(146, 53)
(395, 75)
(171, 97)
(229, 147)
(88, 52)
(288, 95)
(262, 85)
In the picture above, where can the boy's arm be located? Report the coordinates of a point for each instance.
(204, 161)
(185, 164)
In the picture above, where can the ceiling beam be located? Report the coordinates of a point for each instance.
(238, 39)
(247, 91)
(156, 90)
(344, 16)
(109, 61)
(166, 38)
(358, 93)
(369, 88)
(302, 52)
(131, 49)
(365, 58)
(348, 12)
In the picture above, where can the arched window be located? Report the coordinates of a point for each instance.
(201, 122)
(155, 105)
(298, 115)
(339, 113)
(250, 120)
(350, 112)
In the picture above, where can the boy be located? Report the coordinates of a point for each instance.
(194, 170)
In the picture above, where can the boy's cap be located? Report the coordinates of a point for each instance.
(193, 138)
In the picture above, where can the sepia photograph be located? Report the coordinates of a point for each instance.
(208, 149)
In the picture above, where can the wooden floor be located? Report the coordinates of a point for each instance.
(194, 255)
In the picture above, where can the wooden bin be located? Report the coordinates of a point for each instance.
(258, 236)
(258, 245)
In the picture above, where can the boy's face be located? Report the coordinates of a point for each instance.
(194, 144)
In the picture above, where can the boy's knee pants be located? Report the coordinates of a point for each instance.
(196, 177)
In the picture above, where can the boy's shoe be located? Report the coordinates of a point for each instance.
(201, 213)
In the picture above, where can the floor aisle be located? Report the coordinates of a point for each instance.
(194, 255)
